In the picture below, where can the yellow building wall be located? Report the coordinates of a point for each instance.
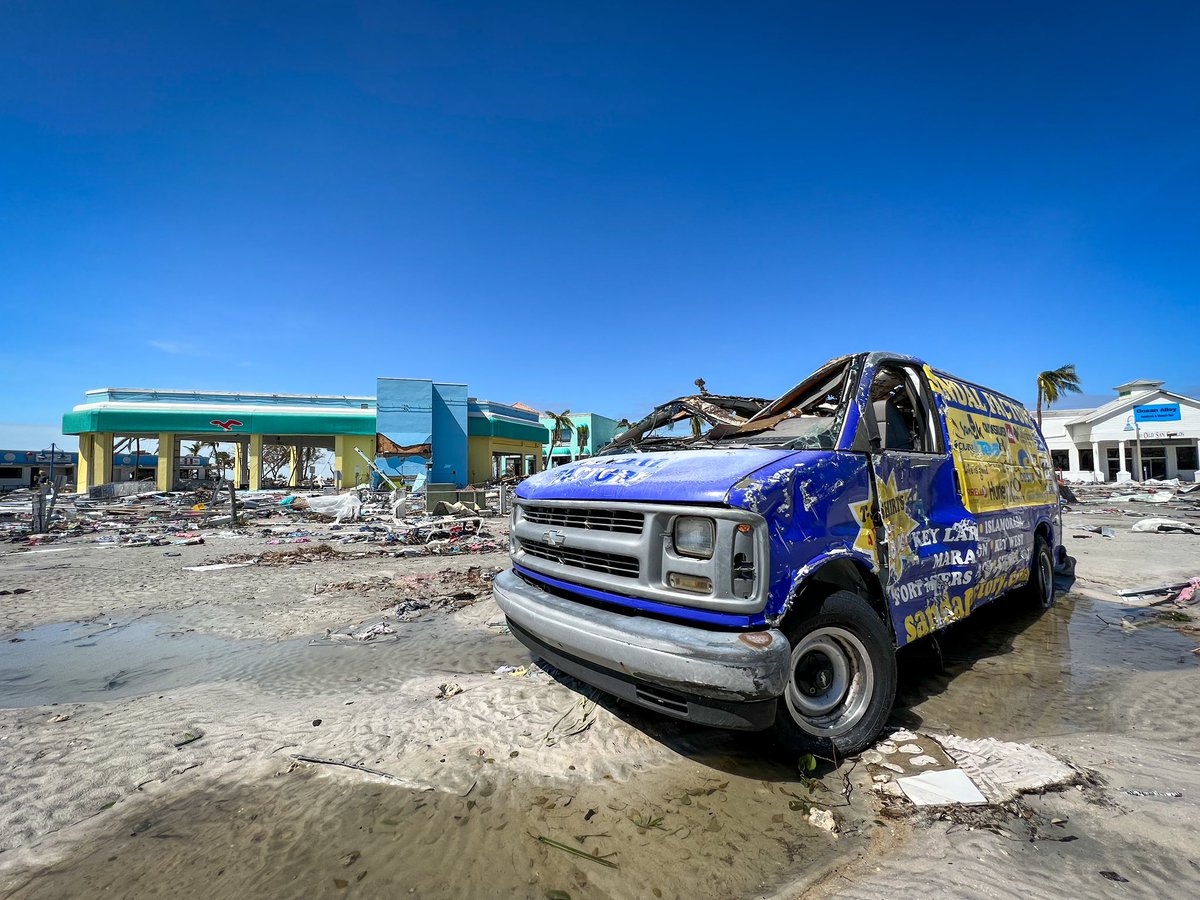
(481, 448)
(354, 469)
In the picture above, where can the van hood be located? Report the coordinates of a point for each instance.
(681, 476)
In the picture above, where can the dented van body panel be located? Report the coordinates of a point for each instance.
(877, 474)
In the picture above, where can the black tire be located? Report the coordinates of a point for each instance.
(1039, 591)
(842, 679)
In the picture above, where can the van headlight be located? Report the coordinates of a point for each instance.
(694, 536)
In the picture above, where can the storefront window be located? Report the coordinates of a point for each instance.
(1185, 458)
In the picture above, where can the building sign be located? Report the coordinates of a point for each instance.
(1158, 412)
(46, 456)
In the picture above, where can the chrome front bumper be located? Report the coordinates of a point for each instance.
(713, 673)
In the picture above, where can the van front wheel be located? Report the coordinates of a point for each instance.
(842, 679)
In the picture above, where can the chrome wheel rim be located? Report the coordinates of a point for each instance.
(831, 682)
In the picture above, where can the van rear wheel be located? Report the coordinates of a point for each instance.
(1039, 591)
(842, 679)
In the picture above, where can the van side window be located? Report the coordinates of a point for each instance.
(901, 418)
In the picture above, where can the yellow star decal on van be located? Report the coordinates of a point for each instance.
(865, 541)
(898, 525)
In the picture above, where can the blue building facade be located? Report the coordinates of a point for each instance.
(422, 430)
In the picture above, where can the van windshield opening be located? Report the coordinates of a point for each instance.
(808, 417)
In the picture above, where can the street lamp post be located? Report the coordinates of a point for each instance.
(1136, 428)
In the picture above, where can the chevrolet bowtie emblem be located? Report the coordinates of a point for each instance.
(554, 538)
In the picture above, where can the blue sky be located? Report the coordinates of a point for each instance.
(589, 208)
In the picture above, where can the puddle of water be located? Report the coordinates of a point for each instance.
(1018, 675)
(79, 662)
(703, 833)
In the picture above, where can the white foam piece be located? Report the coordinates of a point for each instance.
(947, 786)
(1004, 769)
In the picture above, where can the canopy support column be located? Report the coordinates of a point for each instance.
(256, 462)
(164, 475)
(83, 470)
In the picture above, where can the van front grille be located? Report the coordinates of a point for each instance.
(622, 520)
(594, 560)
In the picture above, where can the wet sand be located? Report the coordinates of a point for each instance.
(167, 765)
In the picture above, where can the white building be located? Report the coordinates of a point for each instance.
(1103, 444)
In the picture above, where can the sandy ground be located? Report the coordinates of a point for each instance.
(152, 717)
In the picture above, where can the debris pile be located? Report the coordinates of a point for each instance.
(409, 596)
(1137, 499)
(315, 553)
(394, 523)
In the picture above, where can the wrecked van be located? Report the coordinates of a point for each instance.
(763, 575)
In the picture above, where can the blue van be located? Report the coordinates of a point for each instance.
(763, 574)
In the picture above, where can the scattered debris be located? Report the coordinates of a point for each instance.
(188, 737)
(594, 856)
(315, 553)
(448, 690)
(408, 597)
(1165, 526)
(377, 632)
(823, 819)
(1137, 793)
(1189, 593)
(577, 719)
(1153, 589)
(321, 761)
(337, 507)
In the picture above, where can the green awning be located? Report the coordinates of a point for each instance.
(223, 420)
(494, 426)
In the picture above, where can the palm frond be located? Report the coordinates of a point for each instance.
(1055, 383)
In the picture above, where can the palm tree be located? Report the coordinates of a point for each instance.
(559, 422)
(1053, 384)
(224, 461)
